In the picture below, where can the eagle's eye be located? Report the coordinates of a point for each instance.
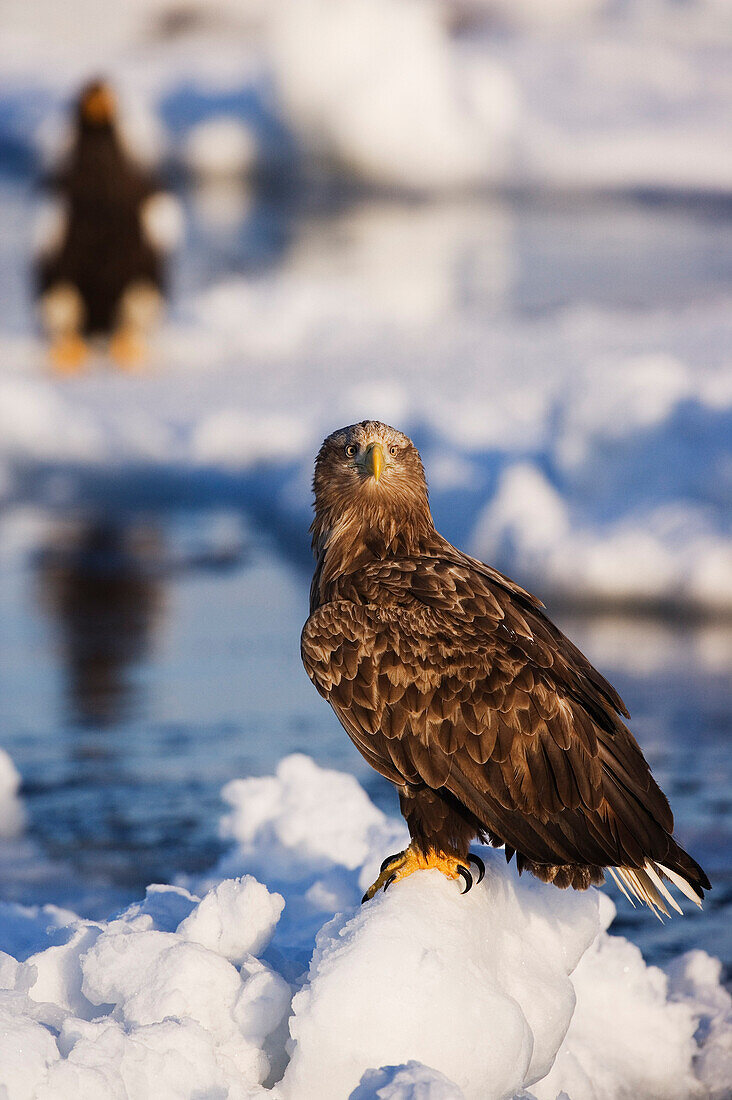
(351, 450)
(393, 450)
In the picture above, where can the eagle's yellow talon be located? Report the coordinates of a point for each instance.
(404, 864)
(466, 877)
(479, 864)
(389, 860)
(68, 354)
(127, 349)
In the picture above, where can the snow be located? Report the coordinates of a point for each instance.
(162, 220)
(412, 1081)
(695, 977)
(674, 550)
(12, 817)
(391, 978)
(377, 87)
(235, 919)
(514, 990)
(220, 147)
(405, 313)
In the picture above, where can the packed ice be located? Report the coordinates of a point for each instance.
(267, 977)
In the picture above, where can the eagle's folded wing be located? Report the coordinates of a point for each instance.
(442, 675)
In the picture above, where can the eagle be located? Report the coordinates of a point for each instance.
(455, 685)
(101, 265)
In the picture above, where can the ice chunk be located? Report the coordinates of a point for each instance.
(163, 908)
(311, 833)
(153, 976)
(626, 1038)
(220, 147)
(12, 815)
(55, 976)
(173, 1060)
(424, 973)
(305, 815)
(695, 981)
(412, 1081)
(235, 919)
(395, 103)
(27, 1050)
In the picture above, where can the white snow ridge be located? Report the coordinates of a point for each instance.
(515, 990)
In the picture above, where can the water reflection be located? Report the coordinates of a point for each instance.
(412, 262)
(100, 584)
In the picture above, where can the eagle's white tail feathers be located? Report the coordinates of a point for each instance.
(645, 884)
(681, 884)
(620, 885)
(661, 887)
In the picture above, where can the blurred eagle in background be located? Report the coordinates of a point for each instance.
(101, 263)
(455, 686)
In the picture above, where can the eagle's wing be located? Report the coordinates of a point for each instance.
(444, 676)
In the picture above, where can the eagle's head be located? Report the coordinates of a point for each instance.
(369, 483)
(97, 106)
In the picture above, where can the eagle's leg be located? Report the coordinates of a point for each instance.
(441, 837)
(62, 315)
(139, 309)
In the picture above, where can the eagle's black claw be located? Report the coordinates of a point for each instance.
(467, 877)
(365, 898)
(388, 860)
(479, 864)
(389, 881)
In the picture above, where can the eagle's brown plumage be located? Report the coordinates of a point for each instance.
(454, 684)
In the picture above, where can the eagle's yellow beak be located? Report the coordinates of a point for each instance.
(375, 460)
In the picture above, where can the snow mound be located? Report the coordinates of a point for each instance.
(236, 919)
(670, 553)
(305, 815)
(412, 1081)
(310, 833)
(696, 978)
(422, 994)
(12, 816)
(139, 1007)
(220, 147)
(378, 88)
(393, 975)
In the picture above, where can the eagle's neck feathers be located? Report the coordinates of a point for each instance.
(365, 533)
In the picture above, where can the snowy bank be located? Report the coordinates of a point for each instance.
(422, 993)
